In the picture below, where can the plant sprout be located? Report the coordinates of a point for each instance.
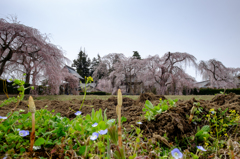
(32, 109)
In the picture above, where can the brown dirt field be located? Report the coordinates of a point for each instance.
(173, 122)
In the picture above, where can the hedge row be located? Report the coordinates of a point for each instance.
(212, 91)
(40, 89)
(95, 93)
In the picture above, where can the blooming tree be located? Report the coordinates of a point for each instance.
(128, 72)
(17, 39)
(105, 68)
(167, 72)
(72, 80)
(219, 75)
(31, 52)
(104, 85)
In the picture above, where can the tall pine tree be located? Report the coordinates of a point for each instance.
(82, 63)
(136, 55)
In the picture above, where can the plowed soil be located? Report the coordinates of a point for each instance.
(173, 123)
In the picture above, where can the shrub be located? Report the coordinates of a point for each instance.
(213, 91)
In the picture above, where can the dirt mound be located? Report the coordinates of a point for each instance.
(126, 101)
(149, 96)
(172, 123)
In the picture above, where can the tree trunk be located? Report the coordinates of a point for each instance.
(27, 78)
(7, 58)
(2, 67)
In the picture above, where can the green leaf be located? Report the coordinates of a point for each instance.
(137, 139)
(93, 114)
(81, 150)
(102, 125)
(40, 141)
(224, 111)
(206, 128)
(159, 111)
(149, 105)
(11, 138)
(100, 117)
(123, 119)
(165, 107)
(138, 130)
(22, 150)
(49, 142)
(88, 118)
(133, 156)
(105, 115)
(77, 127)
(203, 133)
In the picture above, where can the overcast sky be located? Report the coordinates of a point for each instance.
(204, 28)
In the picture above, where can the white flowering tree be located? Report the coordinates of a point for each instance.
(167, 72)
(219, 75)
(104, 70)
(24, 49)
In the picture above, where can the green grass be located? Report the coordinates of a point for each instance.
(188, 97)
(80, 97)
(104, 97)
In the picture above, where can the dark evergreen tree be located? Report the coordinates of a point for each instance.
(82, 63)
(136, 55)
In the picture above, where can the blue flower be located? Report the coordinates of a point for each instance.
(5, 157)
(103, 132)
(18, 129)
(139, 122)
(201, 148)
(94, 125)
(2, 117)
(94, 136)
(9, 80)
(23, 132)
(78, 113)
(213, 112)
(176, 153)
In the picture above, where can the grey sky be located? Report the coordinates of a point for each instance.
(205, 28)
